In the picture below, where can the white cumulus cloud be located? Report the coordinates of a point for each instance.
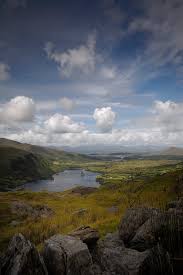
(59, 123)
(104, 118)
(168, 115)
(18, 109)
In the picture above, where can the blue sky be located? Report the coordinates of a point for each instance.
(91, 72)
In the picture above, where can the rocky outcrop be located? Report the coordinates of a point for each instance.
(132, 220)
(112, 257)
(23, 209)
(67, 255)
(163, 228)
(22, 258)
(166, 228)
(86, 234)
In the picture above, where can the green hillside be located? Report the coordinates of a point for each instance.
(40, 150)
(20, 163)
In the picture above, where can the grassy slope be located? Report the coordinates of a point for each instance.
(18, 166)
(155, 189)
(46, 152)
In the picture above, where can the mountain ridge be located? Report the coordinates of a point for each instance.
(173, 151)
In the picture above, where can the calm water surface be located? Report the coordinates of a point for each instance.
(64, 180)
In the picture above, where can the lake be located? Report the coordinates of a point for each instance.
(64, 180)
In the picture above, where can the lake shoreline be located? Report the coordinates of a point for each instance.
(87, 179)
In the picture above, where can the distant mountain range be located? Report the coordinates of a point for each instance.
(113, 149)
(117, 149)
(172, 151)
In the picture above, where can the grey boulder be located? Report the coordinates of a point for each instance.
(165, 228)
(67, 255)
(132, 220)
(22, 258)
(113, 259)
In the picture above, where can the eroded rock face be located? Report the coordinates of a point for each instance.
(165, 228)
(67, 255)
(162, 228)
(147, 234)
(86, 234)
(132, 220)
(22, 258)
(113, 258)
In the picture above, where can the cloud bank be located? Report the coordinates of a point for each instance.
(162, 125)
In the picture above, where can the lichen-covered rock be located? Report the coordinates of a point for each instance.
(22, 258)
(86, 234)
(67, 255)
(113, 258)
(132, 220)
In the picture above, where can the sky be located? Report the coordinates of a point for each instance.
(100, 72)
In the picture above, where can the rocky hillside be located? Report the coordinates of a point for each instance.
(149, 241)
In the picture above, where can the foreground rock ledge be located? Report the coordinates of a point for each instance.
(67, 255)
(113, 258)
(149, 242)
(22, 258)
(86, 234)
